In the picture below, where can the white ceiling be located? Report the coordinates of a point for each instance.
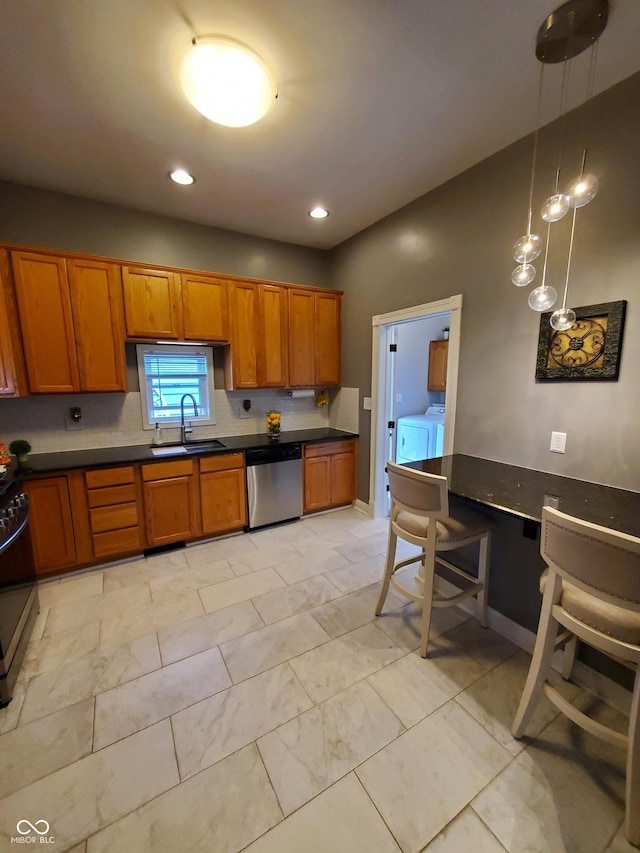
(379, 102)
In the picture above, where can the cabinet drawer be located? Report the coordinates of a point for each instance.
(109, 477)
(113, 517)
(221, 463)
(165, 470)
(111, 495)
(329, 448)
(117, 542)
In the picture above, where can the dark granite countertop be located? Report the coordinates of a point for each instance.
(523, 492)
(99, 456)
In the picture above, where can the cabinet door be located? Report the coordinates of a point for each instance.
(205, 308)
(152, 306)
(301, 337)
(13, 380)
(438, 354)
(244, 345)
(223, 501)
(51, 523)
(317, 483)
(46, 324)
(96, 301)
(272, 364)
(327, 338)
(170, 510)
(343, 478)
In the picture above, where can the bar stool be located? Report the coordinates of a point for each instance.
(420, 515)
(591, 591)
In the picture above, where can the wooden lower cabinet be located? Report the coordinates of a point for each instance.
(114, 511)
(329, 474)
(171, 502)
(223, 494)
(51, 523)
(87, 516)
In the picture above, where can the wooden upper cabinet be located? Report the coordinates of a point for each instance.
(272, 364)
(245, 325)
(98, 322)
(44, 308)
(314, 337)
(327, 338)
(438, 355)
(301, 337)
(152, 303)
(205, 308)
(13, 379)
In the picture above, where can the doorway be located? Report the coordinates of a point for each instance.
(387, 333)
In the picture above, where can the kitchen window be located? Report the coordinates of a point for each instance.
(167, 373)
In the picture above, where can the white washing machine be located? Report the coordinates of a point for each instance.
(420, 436)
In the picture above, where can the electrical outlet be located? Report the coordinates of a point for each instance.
(244, 413)
(398, 398)
(558, 442)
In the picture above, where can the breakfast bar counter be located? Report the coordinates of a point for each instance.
(522, 492)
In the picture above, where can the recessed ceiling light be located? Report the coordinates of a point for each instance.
(318, 213)
(181, 177)
(227, 82)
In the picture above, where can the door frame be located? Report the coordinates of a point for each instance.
(379, 387)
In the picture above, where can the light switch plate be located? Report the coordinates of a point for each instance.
(366, 403)
(558, 442)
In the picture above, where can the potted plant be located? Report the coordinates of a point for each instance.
(20, 448)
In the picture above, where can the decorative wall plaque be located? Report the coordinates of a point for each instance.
(589, 350)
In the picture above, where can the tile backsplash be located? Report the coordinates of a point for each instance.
(111, 420)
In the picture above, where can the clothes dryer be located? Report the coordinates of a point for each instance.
(420, 436)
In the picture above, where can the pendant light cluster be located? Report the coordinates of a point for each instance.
(565, 34)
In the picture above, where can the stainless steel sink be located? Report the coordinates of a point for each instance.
(191, 447)
(203, 446)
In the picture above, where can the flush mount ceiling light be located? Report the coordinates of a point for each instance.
(179, 176)
(565, 34)
(318, 213)
(227, 82)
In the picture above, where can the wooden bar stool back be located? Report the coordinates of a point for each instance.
(591, 591)
(420, 515)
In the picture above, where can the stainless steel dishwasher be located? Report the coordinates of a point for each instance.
(274, 483)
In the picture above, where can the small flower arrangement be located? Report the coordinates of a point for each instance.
(273, 423)
(5, 459)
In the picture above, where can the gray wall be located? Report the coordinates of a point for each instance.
(55, 221)
(458, 239)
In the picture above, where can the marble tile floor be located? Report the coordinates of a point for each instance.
(240, 695)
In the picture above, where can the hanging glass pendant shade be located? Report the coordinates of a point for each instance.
(563, 319)
(555, 207)
(582, 190)
(523, 275)
(543, 297)
(527, 248)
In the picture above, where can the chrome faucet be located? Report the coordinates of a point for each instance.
(184, 430)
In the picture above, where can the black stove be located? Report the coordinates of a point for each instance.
(18, 591)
